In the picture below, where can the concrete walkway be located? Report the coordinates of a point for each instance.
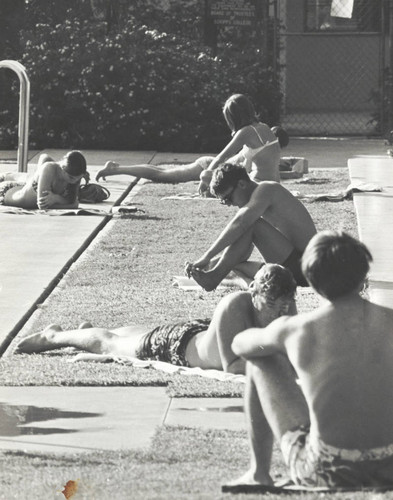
(375, 221)
(37, 250)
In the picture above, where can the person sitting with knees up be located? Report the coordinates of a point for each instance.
(269, 217)
(320, 383)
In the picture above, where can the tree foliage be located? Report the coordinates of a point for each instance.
(131, 76)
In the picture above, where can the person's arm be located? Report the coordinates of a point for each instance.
(46, 198)
(230, 150)
(230, 317)
(260, 342)
(243, 220)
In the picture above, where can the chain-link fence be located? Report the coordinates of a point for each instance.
(332, 57)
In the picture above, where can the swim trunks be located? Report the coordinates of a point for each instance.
(168, 342)
(320, 464)
(293, 263)
(6, 186)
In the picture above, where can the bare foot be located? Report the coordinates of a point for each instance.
(109, 169)
(251, 478)
(42, 341)
(205, 279)
(85, 325)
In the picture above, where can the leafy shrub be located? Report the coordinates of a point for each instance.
(132, 87)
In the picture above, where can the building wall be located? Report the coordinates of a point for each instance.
(327, 71)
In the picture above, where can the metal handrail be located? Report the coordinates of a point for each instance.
(24, 109)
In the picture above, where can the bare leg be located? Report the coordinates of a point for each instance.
(95, 340)
(182, 173)
(14, 177)
(273, 246)
(274, 405)
(260, 438)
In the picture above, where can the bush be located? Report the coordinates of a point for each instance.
(132, 87)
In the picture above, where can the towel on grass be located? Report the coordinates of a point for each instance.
(69, 211)
(190, 196)
(159, 365)
(347, 194)
(189, 284)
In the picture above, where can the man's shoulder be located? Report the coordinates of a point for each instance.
(297, 324)
(241, 296)
(266, 188)
(50, 165)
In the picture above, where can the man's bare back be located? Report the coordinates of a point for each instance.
(283, 211)
(333, 419)
(350, 406)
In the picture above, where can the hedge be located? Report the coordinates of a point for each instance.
(132, 86)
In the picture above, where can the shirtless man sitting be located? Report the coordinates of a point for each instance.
(202, 343)
(334, 423)
(269, 216)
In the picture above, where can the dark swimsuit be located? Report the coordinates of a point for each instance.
(168, 342)
(293, 263)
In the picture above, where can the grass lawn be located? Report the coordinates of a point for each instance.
(182, 463)
(125, 277)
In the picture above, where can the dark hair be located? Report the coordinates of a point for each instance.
(75, 163)
(282, 136)
(335, 264)
(226, 176)
(239, 112)
(274, 281)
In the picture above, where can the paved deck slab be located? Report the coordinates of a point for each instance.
(207, 413)
(79, 419)
(375, 221)
(36, 249)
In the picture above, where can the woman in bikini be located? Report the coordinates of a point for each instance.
(260, 154)
(53, 184)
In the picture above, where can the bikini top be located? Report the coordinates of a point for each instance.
(249, 153)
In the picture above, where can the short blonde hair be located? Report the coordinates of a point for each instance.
(274, 281)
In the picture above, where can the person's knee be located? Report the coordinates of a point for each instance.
(44, 157)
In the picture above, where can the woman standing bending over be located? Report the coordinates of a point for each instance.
(53, 184)
(254, 145)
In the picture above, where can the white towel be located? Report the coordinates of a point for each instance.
(159, 365)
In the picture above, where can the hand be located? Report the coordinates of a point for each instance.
(46, 200)
(188, 269)
(203, 189)
(201, 263)
(204, 185)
